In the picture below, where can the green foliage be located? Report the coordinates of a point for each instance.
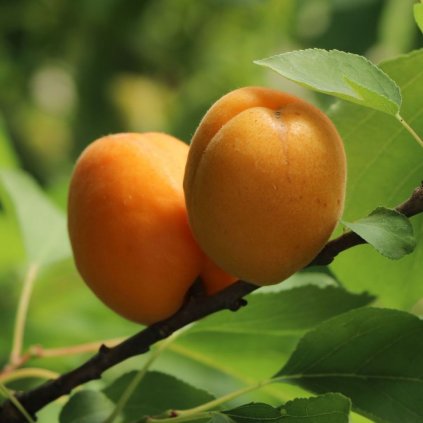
(418, 15)
(345, 75)
(384, 166)
(219, 418)
(329, 408)
(269, 328)
(43, 227)
(159, 70)
(299, 308)
(87, 407)
(251, 413)
(156, 393)
(373, 356)
(8, 157)
(387, 230)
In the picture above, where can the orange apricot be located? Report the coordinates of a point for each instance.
(129, 229)
(128, 224)
(264, 183)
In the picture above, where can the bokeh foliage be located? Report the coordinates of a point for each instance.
(71, 71)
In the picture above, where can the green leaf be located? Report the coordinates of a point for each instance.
(373, 356)
(254, 413)
(220, 418)
(344, 75)
(8, 157)
(329, 408)
(247, 346)
(87, 407)
(418, 15)
(297, 309)
(384, 166)
(156, 393)
(42, 225)
(387, 230)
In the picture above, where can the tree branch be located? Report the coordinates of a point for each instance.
(412, 206)
(195, 308)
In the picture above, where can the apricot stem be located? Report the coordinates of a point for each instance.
(18, 334)
(413, 133)
(37, 351)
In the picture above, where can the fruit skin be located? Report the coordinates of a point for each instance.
(264, 183)
(128, 225)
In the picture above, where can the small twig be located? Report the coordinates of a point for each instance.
(19, 329)
(411, 131)
(37, 351)
(414, 205)
(230, 298)
(27, 373)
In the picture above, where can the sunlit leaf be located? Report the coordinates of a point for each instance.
(387, 230)
(345, 75)
(384, 167)
(418, 15)
(42, 225)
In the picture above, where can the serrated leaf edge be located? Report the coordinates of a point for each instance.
(261, 62)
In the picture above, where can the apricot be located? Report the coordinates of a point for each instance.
(128, 225)
(264, 183)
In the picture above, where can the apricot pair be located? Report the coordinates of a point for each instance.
(264, 188)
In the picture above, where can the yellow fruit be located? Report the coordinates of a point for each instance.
(264, 183)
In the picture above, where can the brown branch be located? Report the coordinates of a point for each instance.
(409, 208)
(196, 308)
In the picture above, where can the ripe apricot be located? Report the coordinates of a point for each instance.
(128, 226)
(264, 183)
(129, 229)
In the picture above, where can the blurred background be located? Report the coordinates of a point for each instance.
(72, 71)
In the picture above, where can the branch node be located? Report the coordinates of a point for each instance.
(103, 350)
(236, 305)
